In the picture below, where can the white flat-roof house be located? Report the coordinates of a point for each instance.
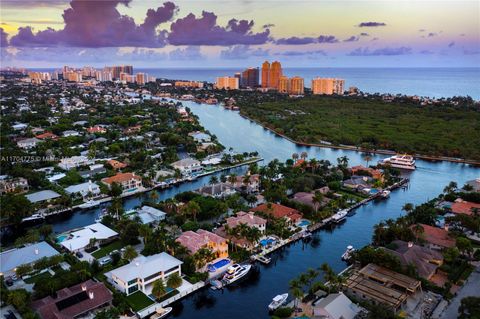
(84, 189)
(188, 165)
(42, 196)
(335, 306)
(28, 143)
(149, 215)
(68, 163)
(11, 259)
(143, 271)
(80, 238)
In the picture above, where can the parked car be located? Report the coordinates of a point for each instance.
(9, 282)
(105, 261)
(79, 254)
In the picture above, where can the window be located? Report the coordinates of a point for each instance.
(152, 276)
(132, 289)
(170, 270)
(131, 282)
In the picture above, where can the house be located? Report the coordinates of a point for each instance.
(250, 184)
(382, 286)
(132, 129)
(425, 260)
(218, 190)
(142, 272)
(437, 238)
(68, 163)
(187, 165)
(279, 211)
(19, 126)
(87, 189)
(249, 219)
(194, 241)
(150, 215)
(28, 143)
(129, 181)
(375, 173)
(80, 239)
(475, 184)
(358, 182)
(96, 129)
(10, 185)
(307, 199)
(116, 165)
(47, 136)
(42, 196)
(200, 137)
(74, 302)
(11, 259)
(335, 306)
(70, 133)
(95, 169)
(463, 207)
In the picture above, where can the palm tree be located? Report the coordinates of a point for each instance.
(296, 291)
(145, 231)
(408, 208)
(213, 180)
(451, 187)
(192, 208)
(367, 158)
(317, 200)
(303, 155)
(174, 281)
(418, 231)
(154, 196)
(158, 289)
(295, 157)
(342, 161)
(130, 253)
(312, 274)
(232, 178)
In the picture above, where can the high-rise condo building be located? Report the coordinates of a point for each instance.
(296, 86)
(192, 84)
(283, 84)
(250, 78)
(141, 78)
(265, 74)
(275, 74)
(328, 86)
(227, 83)
(119, 69)
(103, 76)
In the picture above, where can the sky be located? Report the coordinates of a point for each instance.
(224, 33)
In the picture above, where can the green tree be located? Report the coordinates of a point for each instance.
(20, 299)
(115, 189)
(295, 288)
(464, 245)
(174, 281)
(159, 289)
(469, 308)
(130, 253)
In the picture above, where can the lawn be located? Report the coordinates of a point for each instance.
(32, 280)
(139, 301)
(105, 250)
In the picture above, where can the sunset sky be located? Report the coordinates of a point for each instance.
(50, 33)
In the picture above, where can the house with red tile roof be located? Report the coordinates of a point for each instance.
(437, 238)
(279, 211)
(194, 241)
(464, 207)
(47, 136)
(249, 219)
(116, 165)
(375, 173)
(128, 181)
(96, 129)
(132, 129)
(74, 302)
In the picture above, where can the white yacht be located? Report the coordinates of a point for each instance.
(385, 193)
(89, 204)
(341, 215)
(161, 313)
(278, 301)
(348, 253)
(399, 161)
(33, 217)
(235, 272)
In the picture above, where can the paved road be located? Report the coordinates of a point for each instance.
(471, 288)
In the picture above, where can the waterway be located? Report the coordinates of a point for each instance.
(250, 298)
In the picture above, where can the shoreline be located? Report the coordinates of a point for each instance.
(359, 149)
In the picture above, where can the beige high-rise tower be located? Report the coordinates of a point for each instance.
(275, 74)
(265, 74)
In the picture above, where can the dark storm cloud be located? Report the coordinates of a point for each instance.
(327, 39)
(296, 40)
(371, 24)
(352, 39)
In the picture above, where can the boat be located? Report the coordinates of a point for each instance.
(385, 193)
(101, 215)
(89, 204)
(348, 253)
(264, 259)
(235, 272)
(399, 161)
(306, 235)
(33, 217)
(278, 301)
(161, 313)
(341, 215)
(216, 285)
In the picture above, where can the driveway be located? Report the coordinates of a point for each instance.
(470, 288)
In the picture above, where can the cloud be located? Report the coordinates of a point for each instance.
(451, 44)
(97, 24)
(34, 3)
(426, 52)
(352, 39)
(375, 39)
(3, 38)
(364, 34)
(471, 52)
(301, 53)
(242, 52)
(204, 30)
(371, 24)
(296, 40)
(383, 51)
(327, 39)
(268, 25)
(432, 34)
(422, 30)
(189, 53)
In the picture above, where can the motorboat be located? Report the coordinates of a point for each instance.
(348, 253)
(306, 235)
(235, 272)
(385, 193)
(33, 217)
(216, 285)
(399, 161)
(161, 313)
(264, 259)
(278, 301)
(89, 204)
(341, 215)
(101, 215)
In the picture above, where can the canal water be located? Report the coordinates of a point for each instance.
(249, 299)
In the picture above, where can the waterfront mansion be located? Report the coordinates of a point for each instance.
(128, 181)
(194, 241)
(142, 272)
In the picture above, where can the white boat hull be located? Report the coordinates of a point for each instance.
(238, 276)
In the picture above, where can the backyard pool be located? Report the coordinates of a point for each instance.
(303, 223)
(218, 264)
(267, 241)
(61, 238)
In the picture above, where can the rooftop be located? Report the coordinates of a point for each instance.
(249, 219)
(42, 196)
(196, 240)
(13, 258)
(464, 207)
(81, 238)
(336, 306)
(436, 236)
(278, 211)
(120, 178)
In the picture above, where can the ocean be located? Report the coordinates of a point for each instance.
(432, 82)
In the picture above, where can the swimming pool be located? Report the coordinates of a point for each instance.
(267, 241)
(61, 238)
(218, 264)
(303, 223)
